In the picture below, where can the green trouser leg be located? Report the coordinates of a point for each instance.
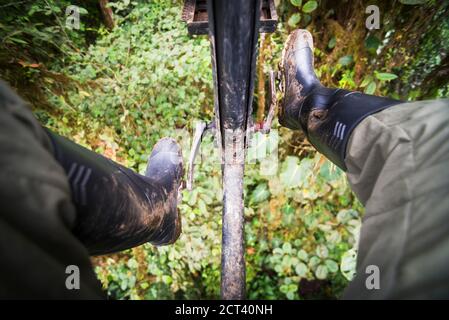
(36, 214)
(398, 165)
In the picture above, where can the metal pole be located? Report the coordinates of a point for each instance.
(233, 31)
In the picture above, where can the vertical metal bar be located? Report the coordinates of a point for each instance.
(233, 31)
(233, 260)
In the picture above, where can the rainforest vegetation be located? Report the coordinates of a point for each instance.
(131, 74)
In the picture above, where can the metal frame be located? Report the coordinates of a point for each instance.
(233, 27)
(196, 16)
(233, 32)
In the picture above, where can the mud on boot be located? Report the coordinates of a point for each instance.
(327, 116)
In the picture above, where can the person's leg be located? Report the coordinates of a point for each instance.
(118, 209)
(36, 213)
(327, 116)
(61, 202)
(395, 155)
(398, 165)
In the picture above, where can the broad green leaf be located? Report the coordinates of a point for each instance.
(278, 268)
(348, 264)
(286, 261)
(131, 282)
(290, 295)
(303, 255)
(192, 197)
(333, 237)
(288, 209)
(132, 263)
(366, 81)
(258, 147)
(284, 288)
(307, 19)
(296, 3)
(294, 20)
(291, 176)
(331, 265)
(294, 261)
(202, 207)
(310, 6)
(124, 285)
(344, 215)
(17, 40)
(346, 60)
(287, 220)
(371, 88)
(384, 76)
(144, 285)
(372, 43)
(330, 172)
(294, 174)
(314, 261)
(260, 194)
(167, 279)
(275, 185)
(322, 251)
(321, 272)
(301, 269)
(287, 248)
(332, 42)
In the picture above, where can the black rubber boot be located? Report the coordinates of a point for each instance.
(117, 208)
(327, 116)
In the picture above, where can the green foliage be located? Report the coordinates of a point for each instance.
(294, 174)
(346, 60)
(137, 84)
(410, 45)
(332, 43)
(309, 6)
(385, 76)
(147, 79)
(40, 31)
(289, 207)
(294, 19)
(297, 233)
(34, 34)
(296, 3)
(372, 43)
(413, 2)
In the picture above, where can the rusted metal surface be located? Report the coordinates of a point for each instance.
(266, 125)
(268, 17)
(195, 15)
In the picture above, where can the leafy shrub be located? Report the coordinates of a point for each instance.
(147, 79)
(144, 80)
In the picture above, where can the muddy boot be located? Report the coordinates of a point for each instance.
(117, 208)
(327, 116)
(165, 167)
